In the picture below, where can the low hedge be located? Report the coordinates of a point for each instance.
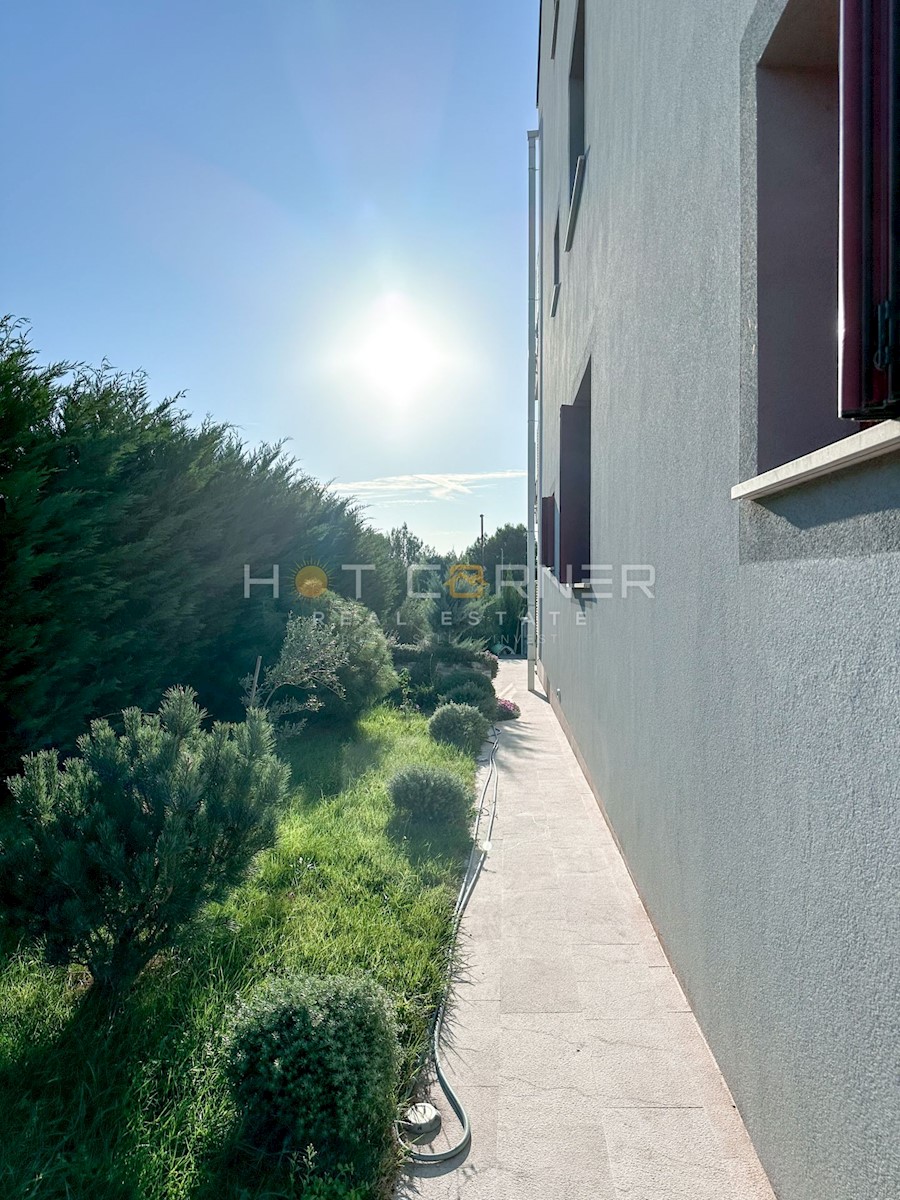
(461, 678)
(468, 693)
(464, 653)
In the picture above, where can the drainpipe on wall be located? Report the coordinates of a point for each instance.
(532, 388)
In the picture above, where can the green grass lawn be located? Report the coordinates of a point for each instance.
(133, 1104)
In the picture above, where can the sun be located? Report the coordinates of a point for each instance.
(396, 352)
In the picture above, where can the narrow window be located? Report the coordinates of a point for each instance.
(828, 225)
(575, 485)
(554, 298)
(577, 149)
(869, 209)
(555, 29)
(798, 190)
(576, 97)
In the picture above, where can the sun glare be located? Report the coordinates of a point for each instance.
(395, 352)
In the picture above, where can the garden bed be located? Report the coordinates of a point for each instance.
(133, 1103)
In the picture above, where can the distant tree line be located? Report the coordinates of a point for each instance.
(494, 620)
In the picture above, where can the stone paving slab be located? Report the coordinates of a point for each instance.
(569, 1040)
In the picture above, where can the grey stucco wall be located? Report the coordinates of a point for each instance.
(741, 729)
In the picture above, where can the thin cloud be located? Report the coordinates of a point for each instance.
(422, 489)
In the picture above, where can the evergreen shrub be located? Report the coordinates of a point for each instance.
(459, 725)
(430, 794)
(105, 858)
(313, 1062)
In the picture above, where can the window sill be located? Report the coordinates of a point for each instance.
(554, 299)
(584, 591)
(857, 448)
(575, 202)
(577, 591)
(562, 588)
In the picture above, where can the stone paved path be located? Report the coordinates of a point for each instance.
(569, 1040)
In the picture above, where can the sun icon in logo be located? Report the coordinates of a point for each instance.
(310, 581)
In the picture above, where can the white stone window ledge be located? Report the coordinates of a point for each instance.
(581, 591)
(859, 447)
(562, 588)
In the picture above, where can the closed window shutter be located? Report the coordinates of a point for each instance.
(548, 530)
(869, 301)
(574, 491)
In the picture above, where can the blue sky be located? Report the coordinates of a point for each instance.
(309, 215)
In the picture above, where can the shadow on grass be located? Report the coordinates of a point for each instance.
(63, 1125)
(327, 758)
(286, 1174)
(248, 1171)
(430, 848)
(77, 1105)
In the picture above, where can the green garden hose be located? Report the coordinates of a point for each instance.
(467, 887)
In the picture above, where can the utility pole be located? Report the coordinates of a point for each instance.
(533, 326)
(482, 539)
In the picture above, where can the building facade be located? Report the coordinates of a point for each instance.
(718, 549)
